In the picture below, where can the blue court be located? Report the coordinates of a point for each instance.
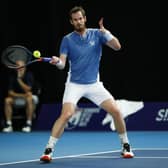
(84, 149)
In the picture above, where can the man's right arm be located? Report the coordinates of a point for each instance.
(60, 62)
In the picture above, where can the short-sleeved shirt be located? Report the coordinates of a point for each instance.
(84, 54)
(14, 84)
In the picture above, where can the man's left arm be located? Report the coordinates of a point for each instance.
(112, 41)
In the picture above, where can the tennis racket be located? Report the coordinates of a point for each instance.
(14, 53)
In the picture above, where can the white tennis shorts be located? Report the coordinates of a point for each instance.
(94, 92)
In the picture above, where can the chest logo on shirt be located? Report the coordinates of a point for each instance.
(92, 43)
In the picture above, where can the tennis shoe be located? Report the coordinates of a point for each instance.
(7, 129)
(47, 156)
(126, 151)
(26, 128)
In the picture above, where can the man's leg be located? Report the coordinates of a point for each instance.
(111, 107)
(57, 130)
(29, 113)
(8, 114)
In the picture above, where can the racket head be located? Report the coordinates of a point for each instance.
(14, 53)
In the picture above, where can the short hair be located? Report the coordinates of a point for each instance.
(77, 9)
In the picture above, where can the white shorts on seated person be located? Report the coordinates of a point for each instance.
(19, 101)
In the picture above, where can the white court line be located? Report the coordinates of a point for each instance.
(88, 155)
(150, 149)
(61, 157)
(110, 157)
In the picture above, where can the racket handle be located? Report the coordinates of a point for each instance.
(46, 59)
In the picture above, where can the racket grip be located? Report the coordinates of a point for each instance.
(46, 59)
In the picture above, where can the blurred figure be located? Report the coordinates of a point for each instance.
(19, 89)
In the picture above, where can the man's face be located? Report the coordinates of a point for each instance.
(78, 21)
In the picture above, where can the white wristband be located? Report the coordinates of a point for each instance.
(59, 64)
(108, 36)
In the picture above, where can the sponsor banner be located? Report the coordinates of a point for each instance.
(154, 116)
(138, 116)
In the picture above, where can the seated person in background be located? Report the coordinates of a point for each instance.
(20, 87)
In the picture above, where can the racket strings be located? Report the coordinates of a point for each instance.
(14, 53)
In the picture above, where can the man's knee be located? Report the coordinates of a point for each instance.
(8, 100)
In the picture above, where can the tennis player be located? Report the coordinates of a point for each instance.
(83, 49)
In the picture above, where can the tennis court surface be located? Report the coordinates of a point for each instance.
(84, 149)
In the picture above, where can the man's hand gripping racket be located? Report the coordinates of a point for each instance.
(17, 52)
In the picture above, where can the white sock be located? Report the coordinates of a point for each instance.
(9, 122)
(51, 142)
(29, 122)
(124, 138)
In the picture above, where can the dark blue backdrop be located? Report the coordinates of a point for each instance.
(153, 116)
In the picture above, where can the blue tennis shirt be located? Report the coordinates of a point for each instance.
(84, 53)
